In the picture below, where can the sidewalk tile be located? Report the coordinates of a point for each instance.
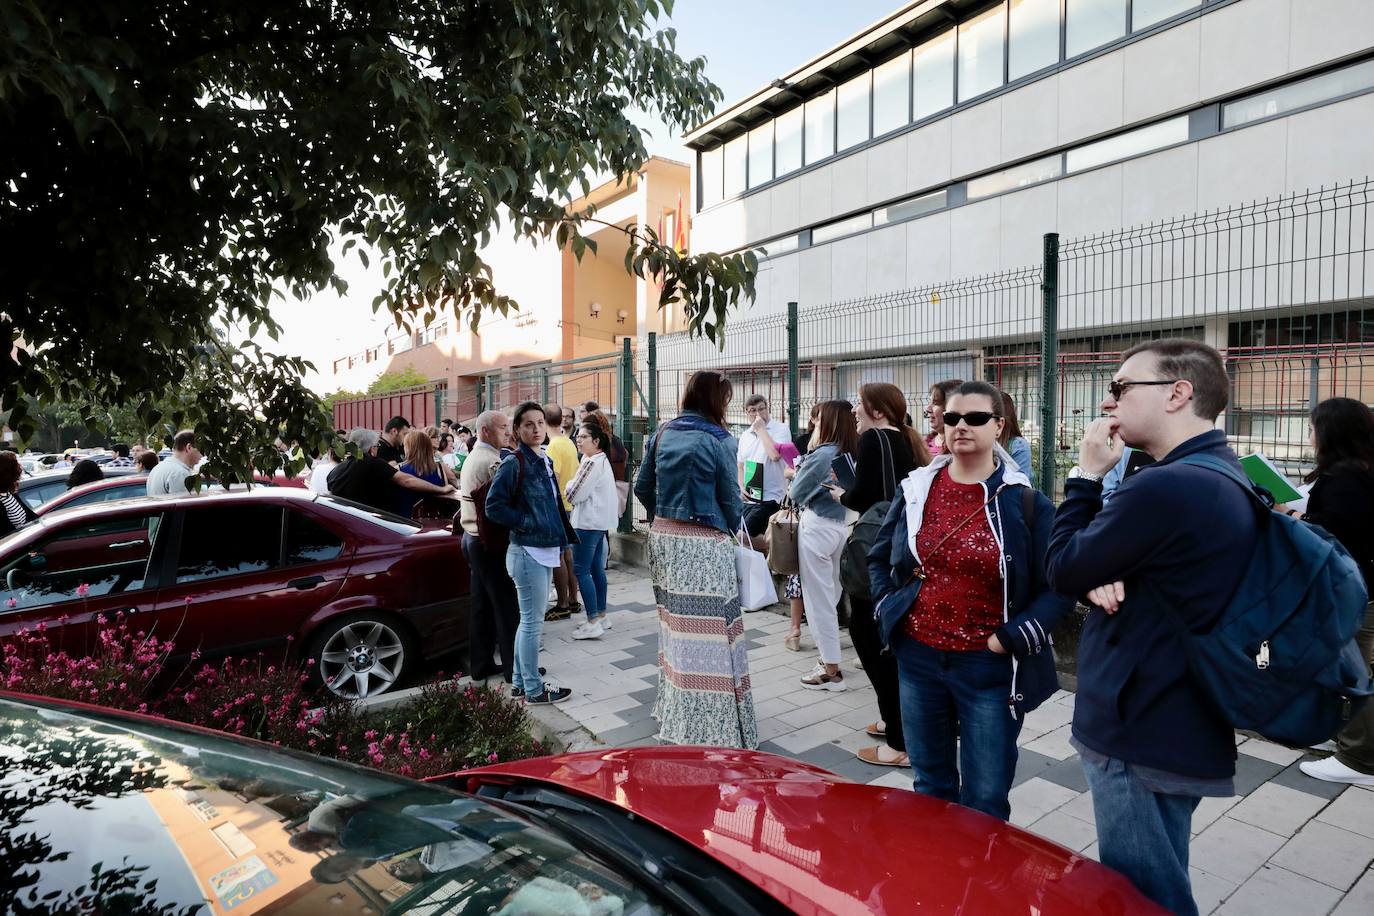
(1275, 890)
(1081, 808)
(767, 709)
(1360, 900)
(896, 779)
(1327, 854)
(1251, 773)
(618, 737)
(1277, 809)
(1232, 850)
(1029, 764)
(811, 736)
(1353, 811)
(1065, 830)
(1053, 744)
(605, 722)
(1294, 778)
(1274, 753)
(1210, 809)
(1067, 773)
(1092, 853)
(771, 729)
(1209, 890)
(1035, 798)
(802, 716)
(1048, 716)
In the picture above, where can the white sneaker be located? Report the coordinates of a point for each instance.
(1328, 746)
(605, 621)
(1332, 770)
(589, 631)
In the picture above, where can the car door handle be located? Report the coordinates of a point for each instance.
(305, 582)
(126, 543)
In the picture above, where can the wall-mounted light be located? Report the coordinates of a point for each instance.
(595, 309)
(620, 316)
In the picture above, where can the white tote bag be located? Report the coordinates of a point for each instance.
(755, 581)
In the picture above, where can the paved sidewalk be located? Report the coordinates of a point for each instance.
(1285, 844)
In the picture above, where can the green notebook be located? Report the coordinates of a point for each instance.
(1262, 471)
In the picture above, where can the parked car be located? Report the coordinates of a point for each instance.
(119, 483)
(365, 594)
(180, 817)
(46, 486)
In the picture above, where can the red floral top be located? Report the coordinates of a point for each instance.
(960, 602)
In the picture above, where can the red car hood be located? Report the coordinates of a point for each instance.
(819, 843)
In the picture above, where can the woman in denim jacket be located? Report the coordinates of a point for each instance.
(958, 578)
(524, 497)
(687, 483)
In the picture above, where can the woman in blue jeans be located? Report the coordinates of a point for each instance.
(592, 495)
(958, 574)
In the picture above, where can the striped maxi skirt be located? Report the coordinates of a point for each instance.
(703, 680)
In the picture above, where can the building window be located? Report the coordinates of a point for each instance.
(761, 155)
(736, 165)
(891, 94)
(842, 227)
(1018, 176)
(980, 52)
(711, 176)
(1132, 143)
(1033, 36)
(820, 127)
(787, 141)
(1145, 13)
(906, 209)
(932, 76)
(1093, 23)
(784, 245)
(1283, 99)
(852, 112)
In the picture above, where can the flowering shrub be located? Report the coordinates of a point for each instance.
(446, 727)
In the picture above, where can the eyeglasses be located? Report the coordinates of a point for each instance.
(1117, 389)
(972, 418)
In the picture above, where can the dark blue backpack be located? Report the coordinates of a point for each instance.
(1281, 659)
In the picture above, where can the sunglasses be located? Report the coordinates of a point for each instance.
(972, 418)
(1117, 389)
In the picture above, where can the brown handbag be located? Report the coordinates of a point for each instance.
(783, 553)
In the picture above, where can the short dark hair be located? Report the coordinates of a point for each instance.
(183, 440)
(755, 399)
(597, 432)
(591, 406)
(396, 422)
(148, 460)
(1344, 432)
(446, 421)
(708, 393)
(525, 408)
(10, 471)
(1194, 362)
(986, 389)
(940, 391)
(86, 471)
(120, 449)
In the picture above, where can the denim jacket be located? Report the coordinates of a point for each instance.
(534, 512)
(1030, 608)
(689, 474)
(808, 486)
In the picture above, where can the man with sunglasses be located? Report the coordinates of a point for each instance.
(1174, 539)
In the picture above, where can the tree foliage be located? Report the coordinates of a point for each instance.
(397, 380)
(170, 167)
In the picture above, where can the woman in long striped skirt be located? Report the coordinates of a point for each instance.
(689, 485)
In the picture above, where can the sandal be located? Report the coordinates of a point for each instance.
(873, 755)
(877, 729)
(793, 642)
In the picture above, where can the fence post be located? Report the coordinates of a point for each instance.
(481, 394)
(1049, 358)
(793, 373)
(438, 404)
(544, 385)
(651, 413)
(625, 409)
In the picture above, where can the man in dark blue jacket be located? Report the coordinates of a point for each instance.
(1173, 539)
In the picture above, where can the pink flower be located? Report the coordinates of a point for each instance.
(492, 757)
(82, 590)
(12, 602)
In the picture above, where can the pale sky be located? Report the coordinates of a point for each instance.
(747, 44)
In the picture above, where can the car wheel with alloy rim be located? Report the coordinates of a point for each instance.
(363, 655)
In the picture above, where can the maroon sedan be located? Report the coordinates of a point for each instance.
(365, 594)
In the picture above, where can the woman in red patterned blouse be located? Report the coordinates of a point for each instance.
(970, 568)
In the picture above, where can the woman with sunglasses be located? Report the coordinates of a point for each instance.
(958, 579)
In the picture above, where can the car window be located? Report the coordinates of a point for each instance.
(38, 494)
(108, 494)
(227, 541)
(307, 541)
(105, 557)
(382, 519)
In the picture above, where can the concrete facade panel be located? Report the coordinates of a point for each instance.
(928, 154)
(720, 228)
(786, 206)
(786, 283)
(758, 217)
(1244, 44)
(889, 173)
(886, 260)
(1090, 97)
(1026, 216)
(1162, 72)
(1090, 203)
(928, 250)
(1323, 30)
(849, 190)
(1243, 165)
(848, 267)
(976, 138)
(1160, 186)
(975, 239)
(1325, 145)
(814, 273)
(815, 195)
(1030, 119)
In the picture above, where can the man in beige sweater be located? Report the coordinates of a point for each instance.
(494, 612)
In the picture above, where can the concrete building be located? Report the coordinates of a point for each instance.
(942, 143)
(569, 309)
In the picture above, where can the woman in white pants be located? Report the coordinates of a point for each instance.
(821, 537)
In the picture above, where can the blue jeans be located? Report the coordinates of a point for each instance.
(532, 581)
(954, 705)
(589, 564)
(1143, 834)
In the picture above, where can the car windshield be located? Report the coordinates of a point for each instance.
(376, 516)
(97, 808)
